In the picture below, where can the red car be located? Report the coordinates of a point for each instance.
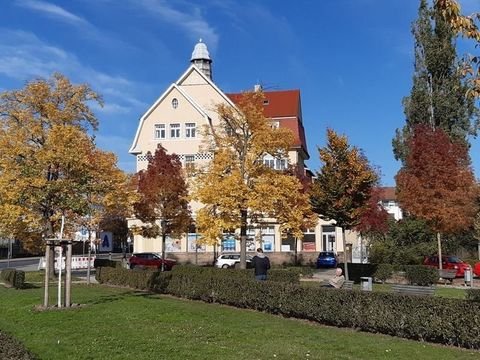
(150, 260)
(476, 269)
(448, 262)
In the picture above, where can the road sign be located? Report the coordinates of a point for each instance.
(106, 242)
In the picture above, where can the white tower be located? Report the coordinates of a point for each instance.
(201, 59)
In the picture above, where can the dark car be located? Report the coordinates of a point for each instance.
(150, 260)
(448, 262)
(326, 259)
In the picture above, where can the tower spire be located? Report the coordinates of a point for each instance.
(201, 58)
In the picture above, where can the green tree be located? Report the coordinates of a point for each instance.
(343, 185)
(163, 198)
(438, 96)
(237, 189)
(468, 27)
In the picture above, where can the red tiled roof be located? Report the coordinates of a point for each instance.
(284, 104)
(388, 193)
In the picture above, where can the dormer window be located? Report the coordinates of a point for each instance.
(266, 102)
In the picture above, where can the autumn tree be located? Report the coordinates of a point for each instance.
(237, 189)
(468, 27)
(163, 204)
(438, 96)
(437, 183)
(50, 165)
(343, 185)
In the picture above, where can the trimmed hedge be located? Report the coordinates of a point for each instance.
(421, 275)
(12, 349)
(143, 280)
(383, 272)
(106, 263)
(13, 277)
(428, 319)
(473, 295)
(447, 321)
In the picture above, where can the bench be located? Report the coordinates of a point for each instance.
(347, 285)
(447, 275)
(413, 290)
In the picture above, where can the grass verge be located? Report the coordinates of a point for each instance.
(122, 324)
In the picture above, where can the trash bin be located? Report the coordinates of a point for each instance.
(467, 276)
(366, 283)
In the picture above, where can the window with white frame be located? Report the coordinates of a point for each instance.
(274, 163)
(189, 162)
(280, 164)
(190, 130)
(275, 124)
(269, 163)
(175, 131)
(268, 238)
(174, 103)
(160, 131)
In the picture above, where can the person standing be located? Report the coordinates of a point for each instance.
(261, 264)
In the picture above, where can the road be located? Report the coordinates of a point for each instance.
(25, 264)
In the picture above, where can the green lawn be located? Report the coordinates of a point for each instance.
(121, 324)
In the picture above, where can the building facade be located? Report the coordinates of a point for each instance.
(175, 120)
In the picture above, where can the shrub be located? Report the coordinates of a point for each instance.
(421, 318)
(10, 348)
(143, 279)
(383, 272)
(356, 271)
(106, 263)
(304, 271)
(421, 275)
(13, 277)
(473, 295)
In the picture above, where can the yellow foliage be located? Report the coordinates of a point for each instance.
(50, 165)
(237, 183)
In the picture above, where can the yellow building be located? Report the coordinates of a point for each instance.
(174, 121)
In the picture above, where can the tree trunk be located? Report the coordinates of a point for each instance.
(51, 263)
(296, 252)
(345, 260)
(439, 243)
(243, 239)
(164, 237)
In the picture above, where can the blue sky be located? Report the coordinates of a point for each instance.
(351, 59)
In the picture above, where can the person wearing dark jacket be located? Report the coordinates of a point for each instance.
(261, 264)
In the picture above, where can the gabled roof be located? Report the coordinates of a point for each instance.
(284, 106)
(388, 193)
(197, 107)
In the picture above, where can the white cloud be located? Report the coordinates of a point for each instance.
(53, 11)
(24, 56)
(191, 20)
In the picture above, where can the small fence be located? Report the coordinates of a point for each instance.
(78, 262)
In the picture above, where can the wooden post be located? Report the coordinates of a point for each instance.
(47, 273)
(68, 275)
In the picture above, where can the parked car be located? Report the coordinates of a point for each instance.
(326, 259)
(476, 269)
(149, 260)
(229, 260)
(448, 262)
